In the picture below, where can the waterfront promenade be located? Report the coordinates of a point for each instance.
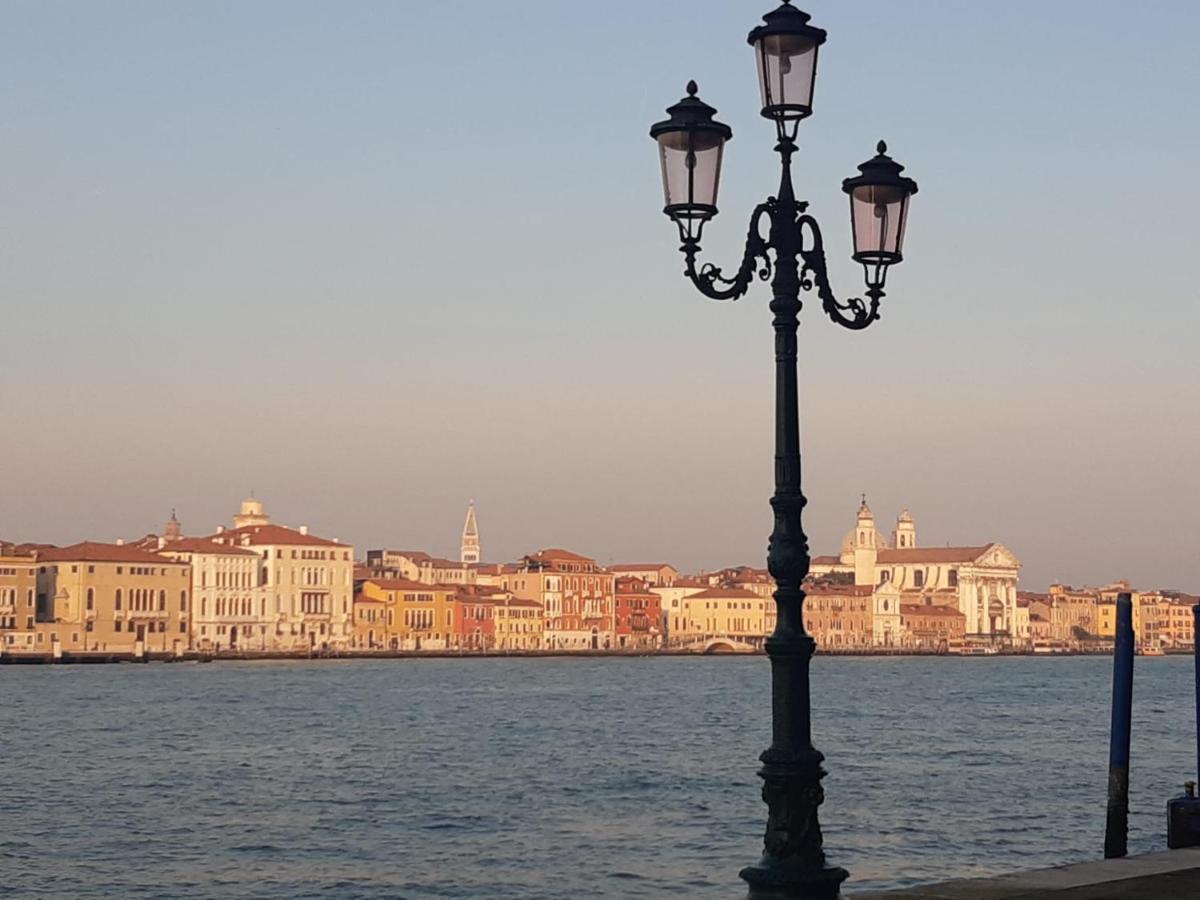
(1153, 876)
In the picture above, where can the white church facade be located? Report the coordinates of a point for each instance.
(980, 581)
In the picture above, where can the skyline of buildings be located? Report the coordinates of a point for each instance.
(262, 586)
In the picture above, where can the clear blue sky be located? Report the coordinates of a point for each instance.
(374, 259)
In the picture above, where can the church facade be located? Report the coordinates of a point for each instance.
(979, 581)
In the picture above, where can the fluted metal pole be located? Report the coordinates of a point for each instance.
(793, 861)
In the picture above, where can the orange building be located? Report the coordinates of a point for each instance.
(839, 616)
(576, 596)
(931, 627)
(639, 614)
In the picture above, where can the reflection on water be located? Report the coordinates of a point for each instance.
(554, 777)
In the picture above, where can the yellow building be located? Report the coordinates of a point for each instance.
(18, 591)
(370, 623)
(111, 597)
(733, 613)
(519, 622)
(416, 616)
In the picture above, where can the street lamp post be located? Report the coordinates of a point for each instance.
(691, 145)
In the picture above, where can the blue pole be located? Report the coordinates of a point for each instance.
(1116, 830)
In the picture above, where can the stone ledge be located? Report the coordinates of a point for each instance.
(1152, 876)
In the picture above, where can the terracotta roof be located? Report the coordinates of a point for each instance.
(363, 598)
(690, 583)
(823, 589)
(93, 551)
(639, 567)
(417, 556)
(403, 584)
(559, 553)
(725, 593)
(932, 554)
(827, 561)
(270, 534)
(203, 545)
(518, 601)
(922, 609)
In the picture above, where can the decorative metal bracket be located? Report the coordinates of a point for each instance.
(814, 274)
(710, 276)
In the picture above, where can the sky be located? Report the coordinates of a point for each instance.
(373, 260)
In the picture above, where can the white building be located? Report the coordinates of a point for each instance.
(229, 606)
(981, 581)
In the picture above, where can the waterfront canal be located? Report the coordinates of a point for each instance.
(549, 778)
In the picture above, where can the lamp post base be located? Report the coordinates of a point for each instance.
(777, 880)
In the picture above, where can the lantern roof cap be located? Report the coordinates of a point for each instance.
(787, 19)
(691, 114)
(880, 170)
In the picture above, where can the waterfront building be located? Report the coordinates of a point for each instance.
(519, 623)
(1073, 612)
(469, 551)
(842, 616)
(474, 619)
(639, 614)
(654, 574)
(417, 616)
(931, 627)
(229, 605)
(370, 623)
(576, 596)
(981, 581)
(419, 566)
(95, 596)
(308, 581)
(1179, 630)
(18, 592)
(674, 614)
(732, 613)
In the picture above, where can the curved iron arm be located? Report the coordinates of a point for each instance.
(814, 274)
(709, 276)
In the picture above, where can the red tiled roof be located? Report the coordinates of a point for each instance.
(639, 567)
(403, 584)
(93, 551)
(725, 593)
(932, 554)
(823, 589)
(922, 609)
(827, 561)
(363, 598)
(690, 583)
(559, 553)
(270, 534)
(203, 545)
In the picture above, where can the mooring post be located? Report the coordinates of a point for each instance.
(1196, 656)
(1116, 830)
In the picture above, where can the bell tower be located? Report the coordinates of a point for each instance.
(469, 552)
(866, 548)
(905, 535)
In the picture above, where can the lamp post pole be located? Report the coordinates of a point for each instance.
(691, 146)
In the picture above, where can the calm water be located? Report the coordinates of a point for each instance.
(553, 778)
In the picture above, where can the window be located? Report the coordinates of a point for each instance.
(117, 599)
(117, 625)
(91, 603)
(953, 578)
(919, 578)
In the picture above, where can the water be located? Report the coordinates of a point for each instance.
(554, 778)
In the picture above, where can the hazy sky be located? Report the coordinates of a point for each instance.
(371, 260)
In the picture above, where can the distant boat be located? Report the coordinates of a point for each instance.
(1151, 651)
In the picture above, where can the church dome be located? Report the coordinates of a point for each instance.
(847, 551)
(905, 516)
(252, 507)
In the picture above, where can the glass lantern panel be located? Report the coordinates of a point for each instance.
(786, 67)
(879, 212)
(691, 166)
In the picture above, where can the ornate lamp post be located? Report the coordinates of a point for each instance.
(691, 144)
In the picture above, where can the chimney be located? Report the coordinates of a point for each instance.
(220, 529)
(120, 542)
(304, 529)
(162, 542)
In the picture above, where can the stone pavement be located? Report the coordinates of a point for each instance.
(1169, 875)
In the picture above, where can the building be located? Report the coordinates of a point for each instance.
(416, 616)
(18, 599)
(469, 551)
(841, 616)
(419, 566)
(674, 613)
(732, 613)
(639, 614)
(229, 606)
(370, 623)
(1073, 613)
(111, 597)
(474, 619)
(931, 627)
(654, 574)
(519, 623)
(308, 581)
(575, 594)
(980, 581)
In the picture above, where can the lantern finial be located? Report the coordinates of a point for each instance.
(881, 147)
(691, 88)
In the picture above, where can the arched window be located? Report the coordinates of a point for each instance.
(183, 601)
(117, 599)
(91, 598)
(203, 606)
(162, 601)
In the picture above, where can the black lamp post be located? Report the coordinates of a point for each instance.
(691, 143)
